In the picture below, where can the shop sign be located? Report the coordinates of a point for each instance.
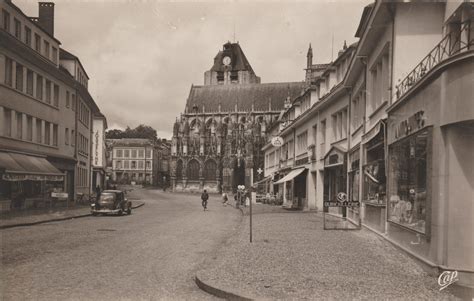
(341, 201)
(412, 124)
(59, 195)
(277, 141)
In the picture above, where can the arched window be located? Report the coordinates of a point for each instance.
(193, 170)
(179, 170)
(210, 168)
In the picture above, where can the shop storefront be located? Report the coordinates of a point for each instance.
(28, 181)
(293, 187)
(335, 172)
(354, 184)
(374, 178)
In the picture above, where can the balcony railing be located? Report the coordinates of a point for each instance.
(453, 43)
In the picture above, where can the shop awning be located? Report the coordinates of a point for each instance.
(21, 167)
(266, 179)
(290, 176)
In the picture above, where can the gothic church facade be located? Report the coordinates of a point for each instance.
(217, 140)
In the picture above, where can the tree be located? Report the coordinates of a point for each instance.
(114, 134)
(141, 131)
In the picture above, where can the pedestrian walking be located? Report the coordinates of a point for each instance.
(225, 198)
(204, 198)
(236, 199)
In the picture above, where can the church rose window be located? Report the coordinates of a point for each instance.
(210, 170)
(179, 170)
(193, 170)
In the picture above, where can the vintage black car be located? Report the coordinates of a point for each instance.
(111, 201)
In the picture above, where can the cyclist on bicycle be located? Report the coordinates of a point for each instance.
(204, 198)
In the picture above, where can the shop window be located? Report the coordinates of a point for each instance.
(354, 176)
(408, 181)
(374, 172)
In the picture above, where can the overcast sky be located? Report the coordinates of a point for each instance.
(143, 56)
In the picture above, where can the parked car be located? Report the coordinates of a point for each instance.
(111, 201)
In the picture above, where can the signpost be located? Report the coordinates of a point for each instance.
(341, 201)
(241, 191)
(277, 141)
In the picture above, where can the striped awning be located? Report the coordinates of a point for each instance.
(21, 167)
(291, 175)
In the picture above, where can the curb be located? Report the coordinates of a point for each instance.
(218, 292)
(55, 219)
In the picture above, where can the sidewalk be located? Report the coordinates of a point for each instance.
(293, 258)
(33, 217)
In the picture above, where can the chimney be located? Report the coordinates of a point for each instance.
(46, 16)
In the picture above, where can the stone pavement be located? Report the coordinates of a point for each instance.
(292, 257)
(33, 217)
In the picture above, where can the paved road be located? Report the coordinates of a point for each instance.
(149, 255)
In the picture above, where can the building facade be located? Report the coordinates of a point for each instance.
(39, 112)
(394, 132)
(132, 160)
(99, 151)
(217, 140)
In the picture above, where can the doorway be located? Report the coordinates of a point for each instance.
(334, 182)
(238, 174)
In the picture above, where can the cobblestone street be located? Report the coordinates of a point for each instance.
(151, 255)
(293, 258)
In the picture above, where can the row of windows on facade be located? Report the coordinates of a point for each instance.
(135, 153)
(193, 170)
(287, 151)
(41, 88)
(24, 34)
(83, 145)
(366, 100)
(127, 164)
(21, 126)
(31, 83)
(134, 176)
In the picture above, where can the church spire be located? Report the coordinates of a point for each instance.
(309, 56)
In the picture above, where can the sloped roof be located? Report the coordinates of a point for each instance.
(239, 61)
(244, 95)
